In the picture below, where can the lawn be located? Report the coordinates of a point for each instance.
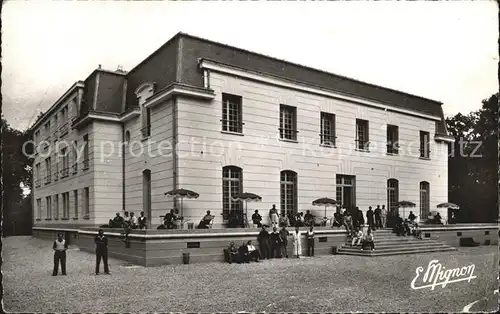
(319, 284)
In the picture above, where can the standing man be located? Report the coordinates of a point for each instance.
(369, 218)
(310, 241)
(142, 221)
(263, 240)
(101, 252)
(133, 220)
(284, 241)
(60, 246)
(273, 216)
(274, 243)
(378, 217)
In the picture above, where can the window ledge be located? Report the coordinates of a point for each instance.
(287, 140)
(329, 146)
(87, 168)
(392, 154)
(64, 218)
(145, 138)
(56, 218)
(48, 218)
(38, 219)
(232, 133)
(75, 218)
(424, 158)
(86, 217)
(362, 150)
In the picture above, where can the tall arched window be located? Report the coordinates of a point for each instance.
(424, 199)
(231, 187)
(288, 188)
(392, 193)
(146, 195)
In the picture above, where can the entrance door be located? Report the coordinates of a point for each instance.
(146, 195)
(346, 191)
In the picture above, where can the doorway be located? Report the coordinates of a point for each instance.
(346, 191)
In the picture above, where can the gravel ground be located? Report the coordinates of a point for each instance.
(325, 283)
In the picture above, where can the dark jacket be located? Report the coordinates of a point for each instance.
(274, 238)
(101, 244)
(256, 218)
(283, 236)
(369, 214)
(263, 237)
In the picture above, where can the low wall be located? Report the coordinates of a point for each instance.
(159, 247)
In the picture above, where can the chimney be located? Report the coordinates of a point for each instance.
(99, 66)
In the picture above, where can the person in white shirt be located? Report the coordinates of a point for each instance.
(133, 221)
(368, 240)
(297, 246)
(253, 253)
(358, 237)
(60, 246)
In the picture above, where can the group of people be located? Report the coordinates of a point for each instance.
(408, 226)
(283, 219)
(272, 244)
(128, 223)
(60, 246)
(363, 240)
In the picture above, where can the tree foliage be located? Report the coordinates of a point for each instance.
(473, 163)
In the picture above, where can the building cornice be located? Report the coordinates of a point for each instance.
(286, 83)
(70, 91)
(178, 90)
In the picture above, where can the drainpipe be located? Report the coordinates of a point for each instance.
(175, 141)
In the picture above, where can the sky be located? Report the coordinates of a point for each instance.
(446, 51)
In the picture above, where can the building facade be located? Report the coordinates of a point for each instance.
(219, 120)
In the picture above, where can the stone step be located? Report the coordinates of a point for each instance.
(399, 240)
(400, 252)
(394, 246)
(397, 249)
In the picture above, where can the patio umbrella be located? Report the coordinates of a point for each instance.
(325, 201)
(404, 204)
(448, 205)
(247, 197)
(182, 193)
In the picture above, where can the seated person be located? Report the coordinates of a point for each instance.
(412, 217)
(256, 219)
(309, 219)
(235, 219)
(253, 253)
(398, 225)
(292, 219)
(357, 238)
(299, 220)
(205, 221)
(133, 222)
(169, 220)
(368, 240)
(348, 222)
(406, 227)
(283, 220)
(417, 232)
(117, 221)
(337, 220)
(232, 253)
(243, 253)
(437, 219)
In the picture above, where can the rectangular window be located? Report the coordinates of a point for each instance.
(65, 205)
(65, 162)
(232, 120)
(346, 191)
(56, 206)
(288, 122)
(231, 188)
(424, 144)
(146, 122)
(47, 131)
(37, 138)
(38, 175)
(362, 139)
(392, 139)
(74, 167)
(85, 152)
(75, 195)
(39, 208)
(48, 200)
(288, 192)
(327, 132)
(48, 170)
(86, 205)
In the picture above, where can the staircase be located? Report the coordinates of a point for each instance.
(388, 243)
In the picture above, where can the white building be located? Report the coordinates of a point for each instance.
(219, 120)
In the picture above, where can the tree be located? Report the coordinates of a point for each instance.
(473, 160)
